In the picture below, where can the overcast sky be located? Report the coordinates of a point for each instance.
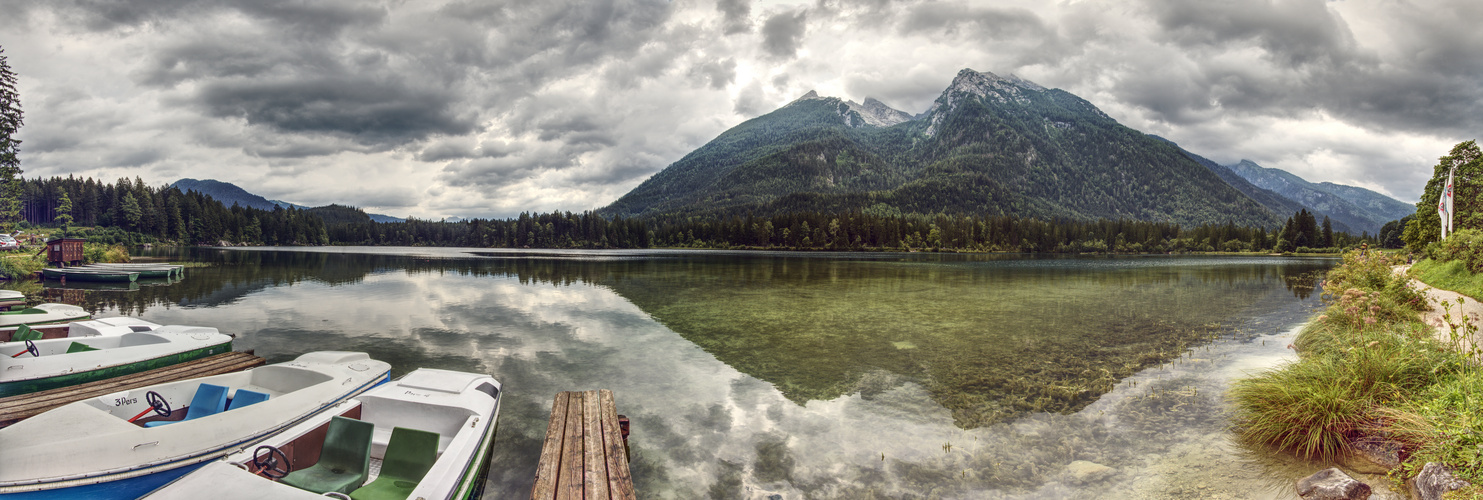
(490, 108)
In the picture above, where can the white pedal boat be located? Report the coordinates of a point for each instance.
(101, 447)
(44, 314)
(455, 412)
(97, 350)
(87, 328)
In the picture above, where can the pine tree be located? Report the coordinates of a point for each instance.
(64, 212)
(11, 120)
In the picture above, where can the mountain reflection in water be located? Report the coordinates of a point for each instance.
(752, 374)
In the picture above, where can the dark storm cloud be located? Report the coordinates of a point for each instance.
(1306, 57)
(981, 22)
(735, 16)
(783, 33)
(387, 112)
(717, 74)
(1292, 32)
(317, 18)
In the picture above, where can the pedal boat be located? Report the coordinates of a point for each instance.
(112, 351)
(102, 448)
(451, 417)
(44, 314)
(117, 325)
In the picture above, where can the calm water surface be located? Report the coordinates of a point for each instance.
(803, 375)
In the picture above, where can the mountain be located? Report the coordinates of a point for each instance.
(1274, 201)
(1358, 208)
(229, 194)
(225, 192)
(988, 145)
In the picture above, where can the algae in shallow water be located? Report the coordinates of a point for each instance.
(990, 341)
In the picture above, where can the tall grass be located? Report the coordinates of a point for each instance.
(1366, 352)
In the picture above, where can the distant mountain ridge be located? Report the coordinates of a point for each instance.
(1359, 208)
(229, 194)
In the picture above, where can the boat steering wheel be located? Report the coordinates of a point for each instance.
(31, 348)
(273, 464)
(156, 401)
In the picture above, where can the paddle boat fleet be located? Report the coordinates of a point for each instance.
(126, 444)
(113, 273)
(328, 423)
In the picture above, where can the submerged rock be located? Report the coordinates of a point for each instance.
(1083, 472)
(1332, 484)
(1373, 455)
(1434, 481)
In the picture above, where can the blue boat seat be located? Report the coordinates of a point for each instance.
(246, 397)
(210, 399)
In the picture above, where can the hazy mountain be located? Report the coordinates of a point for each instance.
(987, 145)
(228, 194)
(225, 192)
(1274, 201)
(1359, 208)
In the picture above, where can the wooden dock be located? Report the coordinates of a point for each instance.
(586, 451)
(16, 408)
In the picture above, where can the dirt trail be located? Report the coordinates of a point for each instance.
(1471, 309)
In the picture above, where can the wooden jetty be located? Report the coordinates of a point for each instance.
(16, 408)
(586, 451)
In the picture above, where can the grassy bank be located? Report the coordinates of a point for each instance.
(1368, 366)
(1450, 275)
(26, 262)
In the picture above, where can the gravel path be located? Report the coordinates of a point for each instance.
(1471, 309)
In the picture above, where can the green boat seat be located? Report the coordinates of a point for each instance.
(23, 333)
(409, 455)
(246, 397)
(210, 399)
(344, 461)
(79, 347)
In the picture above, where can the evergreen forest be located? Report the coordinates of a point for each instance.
(166, 214)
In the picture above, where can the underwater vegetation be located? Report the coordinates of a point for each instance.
(988, 341)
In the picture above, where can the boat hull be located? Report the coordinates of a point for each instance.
(36, 385)
(132, 487)
(44, 314)
(100, 276)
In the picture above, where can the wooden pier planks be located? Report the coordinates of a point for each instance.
(585, 455)
(16, 408)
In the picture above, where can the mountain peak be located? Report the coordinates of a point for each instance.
(986, 86)
(981, 83)
(809, 96)
(873, 113)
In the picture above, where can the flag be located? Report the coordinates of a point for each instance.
(1447, 198)
(1442, 213)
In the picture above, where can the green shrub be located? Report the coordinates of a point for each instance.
(20, 266)
(94, 252)
(1465, 245)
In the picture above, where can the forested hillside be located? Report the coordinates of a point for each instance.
(163, 212)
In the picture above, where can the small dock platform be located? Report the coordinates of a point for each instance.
(585, 455)
(16, 408)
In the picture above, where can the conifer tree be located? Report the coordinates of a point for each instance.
(10, 162)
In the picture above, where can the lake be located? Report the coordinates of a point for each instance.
(777, 375)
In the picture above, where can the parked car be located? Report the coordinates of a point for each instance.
(8, 242)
